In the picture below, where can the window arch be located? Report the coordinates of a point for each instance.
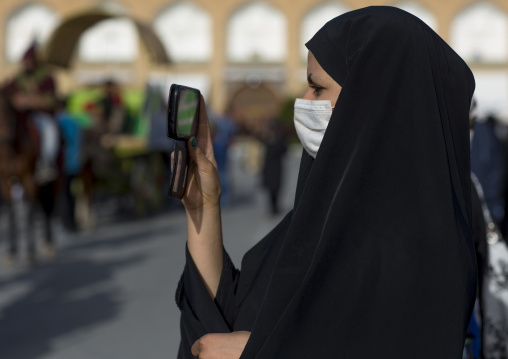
(421, 12)
(26, 24)
(491, 93)
(112, 7)
(479, 33)
(257, 32)
(185, 29)
(112, 40)
(315, 19)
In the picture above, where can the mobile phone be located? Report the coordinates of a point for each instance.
(183, 119)
(183, 112)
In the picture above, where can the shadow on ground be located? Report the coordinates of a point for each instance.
(65, 296)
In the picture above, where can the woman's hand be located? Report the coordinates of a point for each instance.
(220, 345)
(203, 184)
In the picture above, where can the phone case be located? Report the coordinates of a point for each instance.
(180, 164)
(179, 170)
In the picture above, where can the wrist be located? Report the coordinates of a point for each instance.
(202, 209)
(204, 228)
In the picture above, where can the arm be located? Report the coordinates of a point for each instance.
(204, 243)
(201, 201)
(204, 240)
(200, 314)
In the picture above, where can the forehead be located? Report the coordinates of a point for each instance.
(312, 64)
(314, 68)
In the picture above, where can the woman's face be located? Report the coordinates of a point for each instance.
(321, 85)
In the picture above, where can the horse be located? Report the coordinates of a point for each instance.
(20, 143)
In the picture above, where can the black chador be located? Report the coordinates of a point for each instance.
(376, 260)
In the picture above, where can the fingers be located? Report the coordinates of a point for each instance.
(221, 345)
(200, 346)
(204, 137)
(196, 348)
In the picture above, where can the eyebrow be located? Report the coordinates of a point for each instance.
(311, 81)
(309, 78)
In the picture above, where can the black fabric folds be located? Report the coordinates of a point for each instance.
(377, 258)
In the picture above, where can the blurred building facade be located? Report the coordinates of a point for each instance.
(242, 54)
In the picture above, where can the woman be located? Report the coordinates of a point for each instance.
(376, 260)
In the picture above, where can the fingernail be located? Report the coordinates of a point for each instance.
(193, 142)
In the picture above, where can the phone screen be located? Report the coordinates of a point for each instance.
(187, 108)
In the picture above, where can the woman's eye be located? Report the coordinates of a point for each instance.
(317, 89)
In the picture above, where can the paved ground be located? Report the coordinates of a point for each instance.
(109, 293)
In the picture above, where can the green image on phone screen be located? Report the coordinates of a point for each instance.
(187, 105)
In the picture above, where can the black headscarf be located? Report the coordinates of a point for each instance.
(378, 259)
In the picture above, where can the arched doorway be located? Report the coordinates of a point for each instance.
(252, 106)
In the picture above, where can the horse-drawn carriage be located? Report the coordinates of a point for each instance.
(121, 159)
(115, 163)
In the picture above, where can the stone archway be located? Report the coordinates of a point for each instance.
(253, 106)
(59, 50)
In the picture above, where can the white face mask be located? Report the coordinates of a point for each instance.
(311, 119)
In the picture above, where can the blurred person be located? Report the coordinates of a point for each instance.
(376, 260)
(95, 159)
(155, 111)
(275, 142)
(490, 318)
(475, 338)
(17, 167)
(108, 119)
(488, 164)
(72, 162)
(223, 130)
(112, 108)
(502, 134)
(32, 93)
(495, 299)
(489, 323)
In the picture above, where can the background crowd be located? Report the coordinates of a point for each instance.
(64, 155)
